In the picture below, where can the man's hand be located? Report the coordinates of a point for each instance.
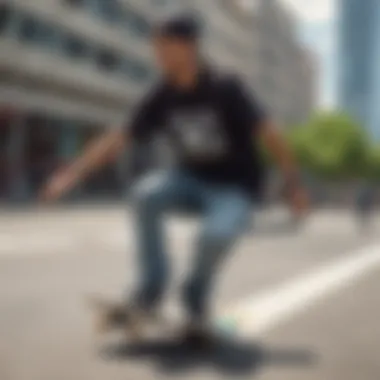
(277, 145)
(59, 185)
(299, 201)
(101, 151)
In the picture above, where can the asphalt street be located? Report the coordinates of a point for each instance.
(304, 303)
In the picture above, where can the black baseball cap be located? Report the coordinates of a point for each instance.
(184, 26)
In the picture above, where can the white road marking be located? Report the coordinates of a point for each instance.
(258, 314)
(53, 243)
(55, 239)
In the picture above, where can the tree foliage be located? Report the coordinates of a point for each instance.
(334, 146)
(331, 145)
(373, 162)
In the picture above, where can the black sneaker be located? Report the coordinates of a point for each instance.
(199, 337)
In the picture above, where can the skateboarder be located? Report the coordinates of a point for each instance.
(214, 124)
(364, 204)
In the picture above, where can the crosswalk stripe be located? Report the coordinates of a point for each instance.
(255, 315)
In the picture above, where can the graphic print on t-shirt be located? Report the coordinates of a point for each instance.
(199, 133)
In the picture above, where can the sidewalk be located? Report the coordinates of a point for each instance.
(94, 209)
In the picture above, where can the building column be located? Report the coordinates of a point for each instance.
(122, 172)
(69, 146)
(374, 109)
(19, 189)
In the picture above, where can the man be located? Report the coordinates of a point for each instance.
(364, 202)
(214, 126)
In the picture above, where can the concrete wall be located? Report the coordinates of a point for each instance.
(34, 78)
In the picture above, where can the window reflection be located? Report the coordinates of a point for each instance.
(35, 145)
(107, 59)
(31, 30)
(5, 17)
(75, 47)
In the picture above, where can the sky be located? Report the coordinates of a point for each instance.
(317, 29)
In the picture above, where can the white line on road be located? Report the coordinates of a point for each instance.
(41, 242)
(256, 315)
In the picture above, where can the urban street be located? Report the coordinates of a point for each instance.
(300, 303)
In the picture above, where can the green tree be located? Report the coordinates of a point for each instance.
(331, 145)
(373, 162)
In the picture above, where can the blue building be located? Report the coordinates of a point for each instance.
(359, 61)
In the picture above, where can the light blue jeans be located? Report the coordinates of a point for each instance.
(225, 215)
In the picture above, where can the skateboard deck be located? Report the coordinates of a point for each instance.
(114, 316)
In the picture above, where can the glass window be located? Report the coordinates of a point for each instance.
(5, 17)
(140, 26)
(75, 47)
(75, 3)
(28, 29)
(140, 72)
(31, 30)
(106, 182)
(47, 35)
(135, 23)
(5, 157)
(107, 60)
(160, 2)
(108, 10)
(135, 70)
(42, 141)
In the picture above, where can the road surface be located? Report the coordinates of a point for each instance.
(305, 303)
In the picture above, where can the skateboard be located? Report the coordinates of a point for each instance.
(114, 316)
(110, 316)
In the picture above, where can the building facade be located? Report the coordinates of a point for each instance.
(259, 40)
(286, 74)
(68, 69)
(359, 54)
(71, 68)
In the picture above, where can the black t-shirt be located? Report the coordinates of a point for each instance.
(213, 128)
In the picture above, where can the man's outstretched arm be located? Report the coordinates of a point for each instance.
(99, 152)
(246, 107)
(146, 117)
(276, 144)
